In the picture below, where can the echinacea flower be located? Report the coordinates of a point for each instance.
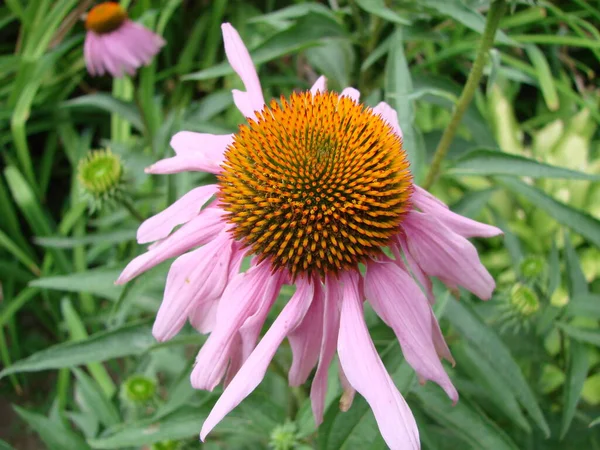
(310, 187)
(115, 44)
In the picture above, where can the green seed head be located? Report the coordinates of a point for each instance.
(524, 300)
(283, 437)
(101, 177)
(532, 267)
(138, 389)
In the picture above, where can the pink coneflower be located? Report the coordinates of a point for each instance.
(310, 187)
(115, 44)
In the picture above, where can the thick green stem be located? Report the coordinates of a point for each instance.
(495, 13)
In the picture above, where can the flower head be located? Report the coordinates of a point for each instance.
(101, 178)
(311, 187)
(115, 44)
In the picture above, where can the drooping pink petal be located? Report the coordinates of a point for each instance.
(402, 306)
(195, 278)
(442, 253)
(89, 54)
(459, 224)
(252, 100)
(253, 370)
(366, 373)
(439, 342)
(352, 93)
(241, 299)
(305, 340)
(390, 115)
(198, 231)
(202, 152)
(319, 86)
(414, 268)
(331, 324)
(182, 211)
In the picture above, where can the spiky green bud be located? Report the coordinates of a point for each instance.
(284, 437)
(138, 389)
(101, 177)
(524, 300)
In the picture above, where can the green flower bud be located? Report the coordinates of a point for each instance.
(166, 445)
(532, 267)
(283, 437)
(138, 389)
(524, 300)
(101, 177)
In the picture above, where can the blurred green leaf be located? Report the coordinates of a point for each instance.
(54, 434)
(100, 282)
(577, 371)
(463, 419)
(109, 104)
(113, 237)
(578, 221)
(5, 446)
(133, 339)
(544, 76)
(591, 336)
(575, 277)
(309, 30)
(491, 347)
(398, 88)
(486, 162)
(584, 305)
(95, 401)
(469, 17)
(378, 8)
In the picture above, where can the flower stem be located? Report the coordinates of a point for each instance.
(131, 209)
(495, 13)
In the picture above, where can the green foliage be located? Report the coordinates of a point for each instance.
(75, 348)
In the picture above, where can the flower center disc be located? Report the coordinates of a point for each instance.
(105, 17)
(316, 184)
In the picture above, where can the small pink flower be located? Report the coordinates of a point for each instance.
(115, 44)
(309, 188)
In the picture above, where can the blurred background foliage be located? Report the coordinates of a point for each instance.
(80, 367)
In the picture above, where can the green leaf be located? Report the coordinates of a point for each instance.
(469, 17)
(109, 104)
(595, 422)
(472, 202)
(398, 88)
(95, 401)
(576, 374)
(544, 76)
(10, 246)
(181, 424)
(54, 434)
(591, 336)
(10, 308)
(491, 348)
(584, 305)
(378, 8)
(100, 282)
(129, 340)
(579, 221)
(113, 237)
(486, 376)
(5, 445)
(576, 279)
(487, 162)
(463, 420)
(309, 30)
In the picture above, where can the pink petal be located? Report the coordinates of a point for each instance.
(414, 268)
(447, 255)
(319, 86)
(402, 306)
(200, 152)
(253, 370)
(352, 93)
(182, 211)
(331, 321)
(241, 299)
(305, 340)
(366, 373)
(459, 224)
(252, 100)
(88, 53)
(390, 115)
(439, 342)
(195, 278)
(198, 231)
(203, 316)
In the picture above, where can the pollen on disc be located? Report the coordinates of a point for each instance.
(316, 184)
